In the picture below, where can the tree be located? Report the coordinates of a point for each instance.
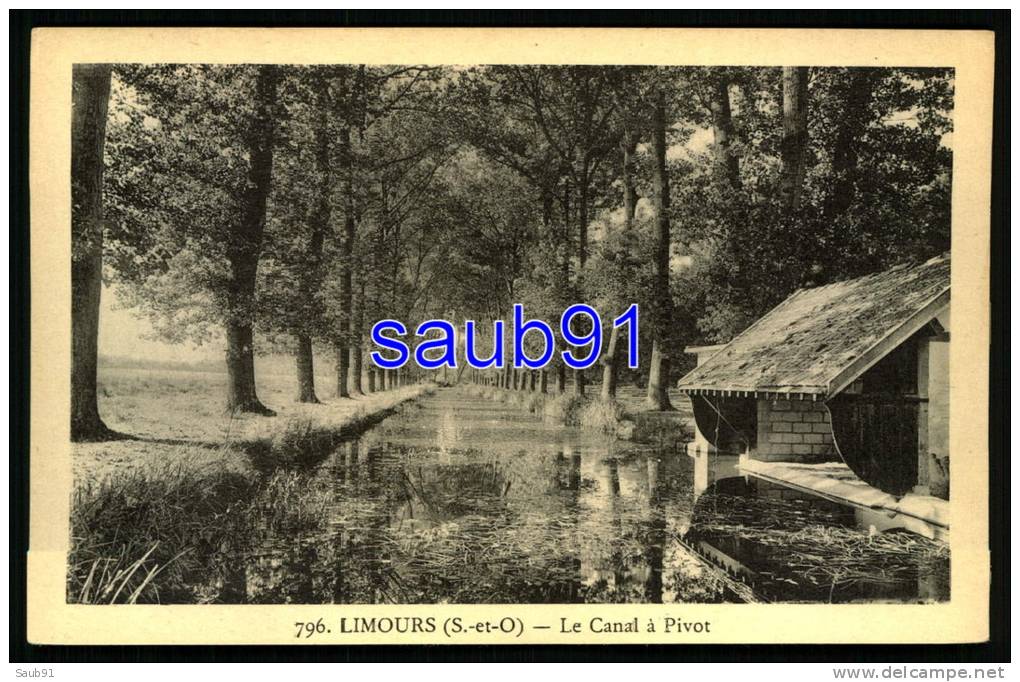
(658, 374)
(299, 222)
(874, 185)
(631, 91)
(500, 122)
(90, 95)
(795, 135)
(243, 249)
(727, 164)
(573, 108)
(346, 240)
(389, 149)
(320, 220)
(191, 172)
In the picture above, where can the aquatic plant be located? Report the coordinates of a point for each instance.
(813, 544)
(563, 409)
(605, 416)
(110, 577)
(303, 441)
(287, 502)
(176, 534)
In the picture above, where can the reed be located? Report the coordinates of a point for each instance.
(604, 416)
(564, 409)
(148, 534)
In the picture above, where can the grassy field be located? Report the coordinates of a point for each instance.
(180, 416)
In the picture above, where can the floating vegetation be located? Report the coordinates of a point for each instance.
(807, 543)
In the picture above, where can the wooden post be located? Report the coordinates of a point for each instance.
(924, 463)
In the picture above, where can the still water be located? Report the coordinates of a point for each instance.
(457, 499)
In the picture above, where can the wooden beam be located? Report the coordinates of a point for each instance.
(923, 457)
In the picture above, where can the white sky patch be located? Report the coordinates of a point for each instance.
(699, 141)
(124, 332)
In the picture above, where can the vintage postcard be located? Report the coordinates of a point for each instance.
(506, 336)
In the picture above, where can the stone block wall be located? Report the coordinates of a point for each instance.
(794, 431)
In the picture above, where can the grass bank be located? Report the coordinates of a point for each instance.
(167, 415)
(173, 533)
(160, 517)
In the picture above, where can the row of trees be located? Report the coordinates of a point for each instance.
(290, 207)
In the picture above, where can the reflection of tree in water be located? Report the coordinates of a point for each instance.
(415, 518)
(631, 554)
(475, 531)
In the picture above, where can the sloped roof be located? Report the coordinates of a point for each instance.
(819, 340)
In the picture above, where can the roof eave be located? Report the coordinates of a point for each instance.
(774, 393)
(887, 343)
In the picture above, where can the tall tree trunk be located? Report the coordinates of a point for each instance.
(343, 361)
(630, 196)
(727, 166)
(375, 277)
(582, 224)
(543, 381)
(319, 223)
(611, 365)
(357, 331)
(855, 100)
(657, 397)
(612, 360)
(582, 259)
(794, 143)
(241, 395)
(244, 247)
(90, 96)
(346, 255)
(305, 365)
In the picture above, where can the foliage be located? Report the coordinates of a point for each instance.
(876, 194)
(177, 170)
(473, 188)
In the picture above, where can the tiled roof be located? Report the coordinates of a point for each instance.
(813, 341)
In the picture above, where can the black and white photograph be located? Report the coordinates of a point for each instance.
(534, 337)
(769, 424)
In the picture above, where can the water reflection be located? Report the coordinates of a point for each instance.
(465, 501)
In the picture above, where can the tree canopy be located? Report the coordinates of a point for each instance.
(348, 194)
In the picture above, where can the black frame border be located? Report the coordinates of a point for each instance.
(995, 650)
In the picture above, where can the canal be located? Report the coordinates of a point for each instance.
(457, 499)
